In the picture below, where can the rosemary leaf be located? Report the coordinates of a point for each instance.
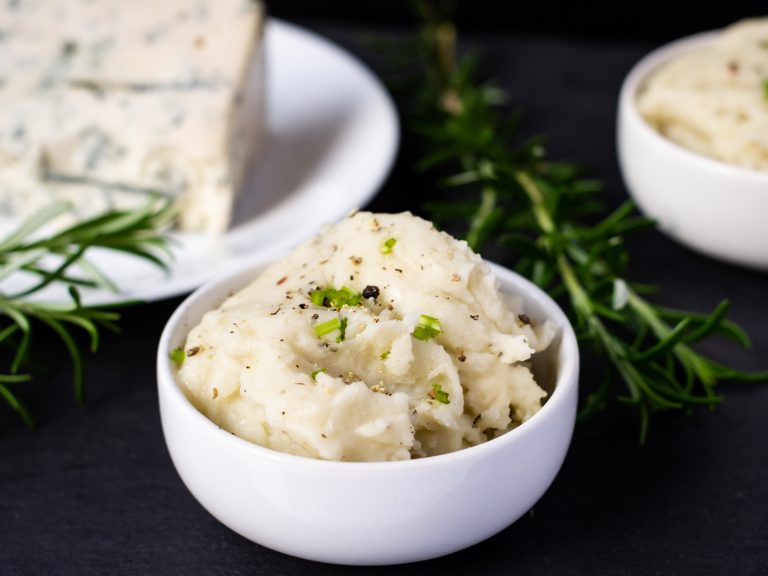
(59, 259)
(511, 194)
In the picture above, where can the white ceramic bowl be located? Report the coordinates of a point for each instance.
(368, 513)
(713, 207)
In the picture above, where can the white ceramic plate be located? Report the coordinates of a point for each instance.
(331, 137)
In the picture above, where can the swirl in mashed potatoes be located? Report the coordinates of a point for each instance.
(714, 100)
(380, 339)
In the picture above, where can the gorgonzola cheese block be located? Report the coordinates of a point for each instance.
(106, 102)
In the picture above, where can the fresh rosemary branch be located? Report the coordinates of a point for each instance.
(542, 209)
(61, 259)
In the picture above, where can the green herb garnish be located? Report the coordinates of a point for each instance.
(327, 327)
(332, 325)
(59, 259)
(316, 372)
(427, 328)
(342, 330)
(439, 395)
(387, 245)
(335, 298)
(385, 354)
(765, 89)
(544, 212)
(317, 297)
(178, 356)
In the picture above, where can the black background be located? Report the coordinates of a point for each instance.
(92, 490)
(620, 20)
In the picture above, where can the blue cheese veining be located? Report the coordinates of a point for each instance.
(106, 101)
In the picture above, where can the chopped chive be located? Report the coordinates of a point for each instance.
(330, 297)
(342, 330)
(316, 372)
(385, 354)
(327, 327)
(427, 328)
(387, 245)
(765, 89)
(178, 356)
(317, 297)
(439, 395)
(332, 325)
(349, 298)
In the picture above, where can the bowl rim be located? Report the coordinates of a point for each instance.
(567, 377)
(634, 81)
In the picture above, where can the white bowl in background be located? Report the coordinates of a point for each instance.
(716, 208)
(368, 513)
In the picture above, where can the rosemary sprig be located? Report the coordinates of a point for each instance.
(60, 258)
(514, 195)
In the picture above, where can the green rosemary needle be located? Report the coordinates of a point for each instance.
(515, 196)
(60, 259)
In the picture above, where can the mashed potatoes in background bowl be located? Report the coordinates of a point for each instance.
(677, 133)
(377, 512)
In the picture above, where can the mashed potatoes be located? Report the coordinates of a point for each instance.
(380, 339)
(714, 100)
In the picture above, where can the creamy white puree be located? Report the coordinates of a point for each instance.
(713, 100)
(257, 367)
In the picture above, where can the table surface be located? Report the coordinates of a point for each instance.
(92, 490)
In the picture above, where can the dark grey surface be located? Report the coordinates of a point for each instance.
(650, 20)
(93, 491)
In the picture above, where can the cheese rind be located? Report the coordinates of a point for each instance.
(106, 102)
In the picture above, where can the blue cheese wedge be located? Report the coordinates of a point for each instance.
(107, 102)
